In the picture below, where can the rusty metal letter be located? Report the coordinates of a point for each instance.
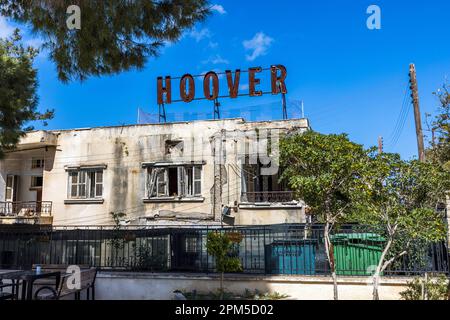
(167, 90)
(252, 82)
(233, 87)
(189, 96)
(278, 81)
(207, 85)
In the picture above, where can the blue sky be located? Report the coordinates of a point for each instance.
(351, 79)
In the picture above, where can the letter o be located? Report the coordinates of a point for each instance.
(187, 96)
(207, 85)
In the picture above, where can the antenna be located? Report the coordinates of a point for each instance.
(216, 109)
(283, 102)
(138, 116)
(303, 111)
(162, 112)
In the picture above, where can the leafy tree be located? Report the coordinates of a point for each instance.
(220, 246)
(18, 85)
(117, 241)
(326, 172)
(404, 197)
(439, 152)
(115, 35)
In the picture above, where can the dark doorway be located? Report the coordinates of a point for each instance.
(173, 181)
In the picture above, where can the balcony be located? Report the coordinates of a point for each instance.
(267, 197)
(26, 212)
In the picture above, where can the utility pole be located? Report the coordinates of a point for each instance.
(415, 101)
(380, 145)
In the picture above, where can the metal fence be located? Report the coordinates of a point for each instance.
(276, 249)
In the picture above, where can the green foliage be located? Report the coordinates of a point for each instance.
(435, 288)
(147, 260)
(257, 295)
(439, 152)
(18, 85)
(117, 217)
(326, 172)
(404, 195)
(221, 248)
(402, 207)
(247, 295)
(115, 35)
(117, 241)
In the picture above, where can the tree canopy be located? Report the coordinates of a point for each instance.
(115, 35)
(439, 152)
(343, 182)
(18, 99)
(327, 172)
(404, 196)
(324, 171)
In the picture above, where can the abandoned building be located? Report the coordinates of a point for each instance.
(199, 172)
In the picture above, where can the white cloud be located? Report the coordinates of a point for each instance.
(218, 8)
(217, 59)
(200, 35)
(243, 87)
(213, 45)
(259, 44)
(6, 30)
(219, 74)
(35, 42)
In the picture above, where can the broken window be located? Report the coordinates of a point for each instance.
(174, 148)
(37, 163)
(85, 184)
(175, 181)
(36, 182)
(257, 187)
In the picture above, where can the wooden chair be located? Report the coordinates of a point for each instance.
(87, 282)
(7, 295)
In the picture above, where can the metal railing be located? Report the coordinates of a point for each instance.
(25, 209)
(267, 196)
(275, 249)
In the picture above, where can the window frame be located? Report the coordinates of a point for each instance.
(35, 161)
(185, 185)
(89, 184)
(33, 185)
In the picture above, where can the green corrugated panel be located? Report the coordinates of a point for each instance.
(357, 253)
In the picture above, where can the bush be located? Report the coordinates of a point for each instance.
(435, 288)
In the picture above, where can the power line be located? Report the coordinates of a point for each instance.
(400, 123)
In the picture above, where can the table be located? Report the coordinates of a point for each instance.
(28, 277)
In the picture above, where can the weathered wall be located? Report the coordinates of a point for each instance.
(122, 150)
(147, 286)
(258, 216)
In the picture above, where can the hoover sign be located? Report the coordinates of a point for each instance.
(211, 89)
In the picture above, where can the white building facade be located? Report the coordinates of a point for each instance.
(200, 172)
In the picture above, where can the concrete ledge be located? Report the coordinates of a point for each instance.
(84, 201)
(400, 281)
(113, 285)
(173, 199)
